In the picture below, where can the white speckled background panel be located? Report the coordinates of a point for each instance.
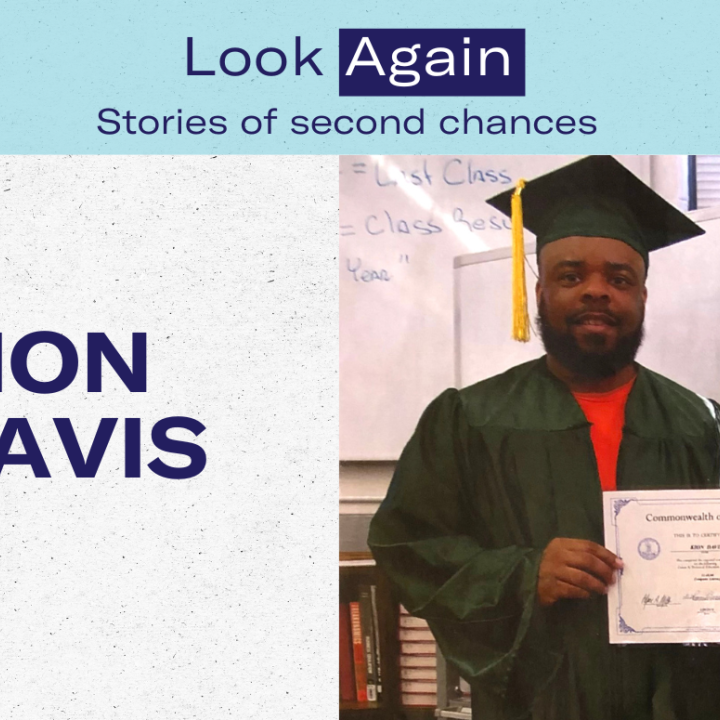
(144, 598)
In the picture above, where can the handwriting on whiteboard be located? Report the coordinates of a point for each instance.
(456, 171)
(368, 275)
(427, 206)
(386, 222)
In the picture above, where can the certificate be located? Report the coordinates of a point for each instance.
(669, 588)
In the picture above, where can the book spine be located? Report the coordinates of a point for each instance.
(413, 673)
(416, 634)
(419, 700)
(358, 653)
(417, 661)
(417, 648)
(408, 621)
(423, 687)
(376, 629)
(347, 682)
(368, 636)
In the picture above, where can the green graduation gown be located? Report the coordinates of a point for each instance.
(492, 474)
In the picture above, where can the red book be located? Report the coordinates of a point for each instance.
(347, 681)
(358, 653)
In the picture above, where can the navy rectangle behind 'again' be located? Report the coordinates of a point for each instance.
(438, 62)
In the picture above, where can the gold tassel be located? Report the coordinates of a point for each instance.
(521, 321)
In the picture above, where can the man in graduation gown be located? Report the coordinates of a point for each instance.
(492, 528)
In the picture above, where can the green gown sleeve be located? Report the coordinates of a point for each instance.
(479, 598)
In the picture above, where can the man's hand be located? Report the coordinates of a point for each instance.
(575, 569)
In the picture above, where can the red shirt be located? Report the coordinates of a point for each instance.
(606, 413)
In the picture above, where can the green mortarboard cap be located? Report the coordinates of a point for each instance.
(599, 197)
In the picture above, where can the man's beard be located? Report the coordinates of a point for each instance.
(594, 364)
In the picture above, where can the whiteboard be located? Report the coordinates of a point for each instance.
(403, 219)
(681, 323)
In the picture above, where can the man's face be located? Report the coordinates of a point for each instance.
(591, 304)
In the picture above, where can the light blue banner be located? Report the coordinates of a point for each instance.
(646, 73)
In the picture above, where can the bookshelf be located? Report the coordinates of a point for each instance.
(358, 569)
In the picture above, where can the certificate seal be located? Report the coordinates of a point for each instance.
(648, 548)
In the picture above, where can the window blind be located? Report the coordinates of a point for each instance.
(707, 173)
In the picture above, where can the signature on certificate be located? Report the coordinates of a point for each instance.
(657, 601)
(702, 597)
